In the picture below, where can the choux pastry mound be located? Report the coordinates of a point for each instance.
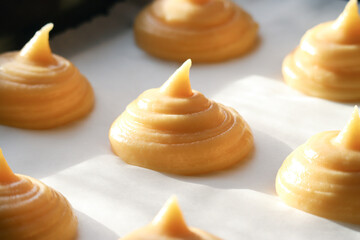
(178, 130)
(203, 30)
(327, 62)
(169, 224)
(41, 90)
(322, 176)
(30, 210)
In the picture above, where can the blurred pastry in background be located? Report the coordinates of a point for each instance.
(203, 30)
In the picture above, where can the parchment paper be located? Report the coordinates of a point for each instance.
(112, 198)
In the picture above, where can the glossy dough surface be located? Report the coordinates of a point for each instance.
(169, 224)
(322, 176)
(30, 210)
(203, 30)
(327, 62)
(39, 89)
(178, 130)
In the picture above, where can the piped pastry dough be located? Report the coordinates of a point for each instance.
(327, 62)
(203, 30)
(169, 224)
(178, 130)
(39, 89)
(322, 176)
(30, 210)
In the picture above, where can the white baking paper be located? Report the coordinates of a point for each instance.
(112, 198)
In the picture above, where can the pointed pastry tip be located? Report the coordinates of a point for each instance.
(48, 27)
(352, 4)
(349, 19)
(188, 62)
(6, 174)
(352, 9)
(355, 111)
(178, 85)
(349, 136)
(170, 219)
(38, 49)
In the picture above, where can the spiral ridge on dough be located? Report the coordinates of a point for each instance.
(326, 63)
(322, 176)
(37, 93)
(30, 210)
(205, 31)
(183, 135)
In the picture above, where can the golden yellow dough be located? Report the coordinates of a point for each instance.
(203, 30)
(322, 176)
(169, 224)
(178, 130)
(30, 210)
(39, 89)
(327, 62)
